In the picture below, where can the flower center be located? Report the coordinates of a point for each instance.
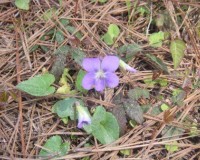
(100, 74)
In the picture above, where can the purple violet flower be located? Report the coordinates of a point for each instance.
(100, 73)
(83, 116)
(125, 66)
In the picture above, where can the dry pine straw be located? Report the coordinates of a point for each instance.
(26, 122)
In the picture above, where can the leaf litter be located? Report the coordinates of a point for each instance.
(55, 38)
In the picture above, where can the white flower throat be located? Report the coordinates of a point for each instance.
(100, 74)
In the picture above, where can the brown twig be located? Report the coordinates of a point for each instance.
(18, 68)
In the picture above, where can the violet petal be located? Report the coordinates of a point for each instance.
(125, 66)
(112, 80)
(131, 69)
(91, 64)
(83, 116)
(88, 81)
(110, 63)
(81, 123)
(100, 84)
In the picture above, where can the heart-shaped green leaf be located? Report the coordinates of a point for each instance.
(133, 110)
(104, 126)
(54, 147)
(22, 4)
(64, 108)
(39, 85)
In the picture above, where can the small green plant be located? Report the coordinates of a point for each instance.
(178, 96)
(112, 34)
(48, 14)
(125, 152)
(161, 81)
(164, 107)
(194, 130)
(55, 34)
(142, 10)
(155, 39)
(104, 125)
(172, 147)
(64, 83)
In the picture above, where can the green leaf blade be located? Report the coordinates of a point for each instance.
(155, 39)
(177, 48)
(22, 4)
(164, 107)
(104, 126)
(170, 132)
(78, 55)
(54, 146)
(130, 49)
(48, 14)
(113, 30)
(79, 80)
(38, 85)
(134, 110)
(111, 34)
(99, 114)
(59, 37)
(72, 29)
(137, 93)
(64, 108)
(172, 147)
(108, 39)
